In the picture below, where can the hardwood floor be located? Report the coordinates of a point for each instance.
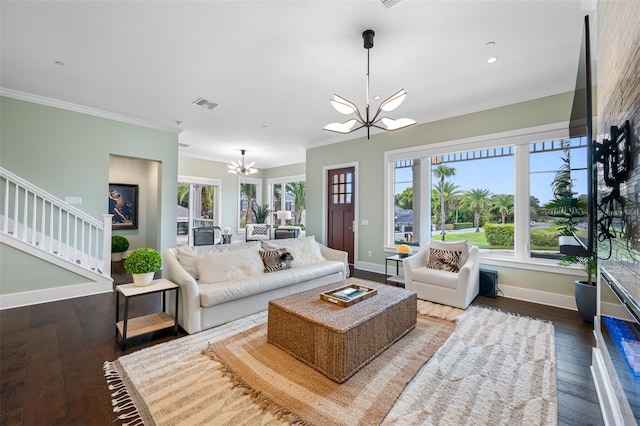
(51, 358)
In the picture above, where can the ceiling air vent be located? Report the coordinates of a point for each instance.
(389, 3)
(205, 103)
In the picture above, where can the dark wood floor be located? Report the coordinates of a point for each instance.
(51, 358)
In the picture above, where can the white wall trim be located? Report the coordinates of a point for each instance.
(42, 100)
(15, 300)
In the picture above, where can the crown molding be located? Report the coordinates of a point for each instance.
(42, 100)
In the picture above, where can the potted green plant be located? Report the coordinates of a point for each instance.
(119, 245)
(261, 213)
(585, 292)
(143, 263)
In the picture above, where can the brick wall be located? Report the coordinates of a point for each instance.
(618, 99)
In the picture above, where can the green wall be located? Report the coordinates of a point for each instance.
(68, 154)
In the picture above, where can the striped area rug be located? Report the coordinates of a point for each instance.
(494, 369)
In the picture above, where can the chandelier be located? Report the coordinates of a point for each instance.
(346, 107)
(241, 168)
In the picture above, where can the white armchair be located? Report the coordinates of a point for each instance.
(446, 273)
(257, 232)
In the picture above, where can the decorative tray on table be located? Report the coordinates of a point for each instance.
(348, 295)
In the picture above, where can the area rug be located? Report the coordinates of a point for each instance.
(494, 369)
(297, 393)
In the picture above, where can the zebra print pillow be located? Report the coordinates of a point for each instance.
(275, 260)
(444, 260)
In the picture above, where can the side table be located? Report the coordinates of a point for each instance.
(397, 279)
(132, 327)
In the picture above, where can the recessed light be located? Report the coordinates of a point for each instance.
(184, 145)
(492, 60)
(377, 97)
(490, 44)
(59, 63)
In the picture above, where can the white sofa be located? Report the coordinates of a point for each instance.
(432, 278)
(222, 283)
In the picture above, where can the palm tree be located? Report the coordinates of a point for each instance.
(477, 199)
(442, 172)
(504, 204)
(249, 190)
(299, 192)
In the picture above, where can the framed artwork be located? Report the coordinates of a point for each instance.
(123, 205)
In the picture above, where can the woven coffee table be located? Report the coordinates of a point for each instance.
(338, 341)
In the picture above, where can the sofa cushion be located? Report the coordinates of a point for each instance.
(275, 260)
(226, 266)
(435, 277)
(311, 272)
(187, 256)
(305, 251)
(215, 294)
(460, 246)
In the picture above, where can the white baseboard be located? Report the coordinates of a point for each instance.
(541, 297)
(15, 300)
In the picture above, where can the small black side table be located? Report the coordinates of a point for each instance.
(226, 239)
(131, 327)
(397, 279)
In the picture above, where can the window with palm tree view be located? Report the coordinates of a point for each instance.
(288, 194)
(472, 196)
(198, 207)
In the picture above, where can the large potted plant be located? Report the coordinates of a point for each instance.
(261, 213)
(585, 292)
(143, 263)
(119, 245)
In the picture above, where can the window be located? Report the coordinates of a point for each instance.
(249, 200)
(493, 194)
(288, 194)
(198, 206)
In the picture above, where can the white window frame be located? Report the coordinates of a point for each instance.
(258, 183)
(283, 181)
(520, 139)
(217, 201)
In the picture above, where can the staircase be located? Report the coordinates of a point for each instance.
(38, 223)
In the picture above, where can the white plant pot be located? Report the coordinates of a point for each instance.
(141, 280)
(116, 257)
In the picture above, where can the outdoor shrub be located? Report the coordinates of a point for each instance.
(499, 235)
(463, 225)
(544, 238)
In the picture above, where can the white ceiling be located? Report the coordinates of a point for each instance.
(273, 65)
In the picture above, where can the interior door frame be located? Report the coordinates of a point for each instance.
(356, 207)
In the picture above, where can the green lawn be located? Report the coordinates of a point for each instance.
(478, 239)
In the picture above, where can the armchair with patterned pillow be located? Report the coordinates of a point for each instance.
(444, 272)
(257, 232)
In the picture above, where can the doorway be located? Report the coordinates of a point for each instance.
(341, 210)
(198, 207)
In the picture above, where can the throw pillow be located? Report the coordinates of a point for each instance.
(444, 260)
(228, 266)
(305, 251)
(259, 230)
(460, 246)
(276, 260)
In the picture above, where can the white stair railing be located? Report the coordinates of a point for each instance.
(35, 217)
